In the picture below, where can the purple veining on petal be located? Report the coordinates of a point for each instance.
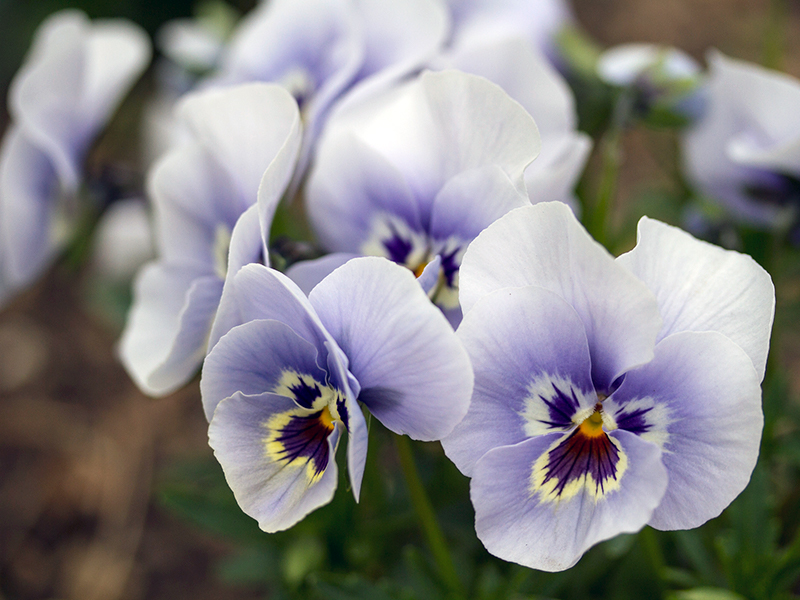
(304, 437)
(397, 247)
(305, 394)
(561, 407)
(341, 408)
(773, 188)
(634, 419)
(450, 266)
(581, 455)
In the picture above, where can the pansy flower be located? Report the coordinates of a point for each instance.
(287, 377)
(745, 151)
(240, 155)
(416, 173)
(72, 80)
(609, 394)
(525, 74)
(321, 49)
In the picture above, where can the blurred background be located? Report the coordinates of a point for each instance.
(106, 494)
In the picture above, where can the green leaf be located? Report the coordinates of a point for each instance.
(705, 594)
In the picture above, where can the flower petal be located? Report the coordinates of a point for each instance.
(164, 340)
(441, 124)
(28, 192)
(258, 292)
(415, 376)
(308, 273)
(279, 467)
(532, 372)
(701, 287)
(544, 245)
(257, 357)
(473, 200)
(245, 128)
(709, 422)
(350, 187)
(517, 523)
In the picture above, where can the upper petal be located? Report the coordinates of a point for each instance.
(544, 245)
(701, 287)
(441, 124)
(414, 374)
(28, 194)
(245, 128)
(532, 372)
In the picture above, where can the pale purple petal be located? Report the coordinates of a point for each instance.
(544, 245)
(164, 340)
(517, 522)
(245, 128)
(258, 292)
(525, 75)
(441, 124)
(352, 186)
(532, 372)
(471, 201)
(701, 287)
(45, 94)
(117, 52)
(253, 358)
(622, 65)
(476, 21)
(275, 490)
(308, 273)
(750, 130)
(194, 200)
(415, 376)
(28, 193)
(700, 400)
(247, 246)
(556, 171)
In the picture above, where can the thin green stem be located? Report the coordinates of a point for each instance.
(648, 539)
(427, 517)
(775, 35)
(611, 156)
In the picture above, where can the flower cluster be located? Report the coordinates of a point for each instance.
(451, 291)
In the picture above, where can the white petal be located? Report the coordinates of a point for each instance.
(544, 245)
(701, 287)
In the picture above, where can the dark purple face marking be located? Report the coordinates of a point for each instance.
(397, 247)
(585, 459)
(302, 438)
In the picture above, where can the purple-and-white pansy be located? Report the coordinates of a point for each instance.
(320, 49)
(230, 175)
(416, 173)
(537, 21)
(287, 377)
(526, 75)
(72, 80)
(745, 151)
(609, 394)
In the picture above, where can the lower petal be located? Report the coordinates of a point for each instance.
(279, 463)
(519, 521)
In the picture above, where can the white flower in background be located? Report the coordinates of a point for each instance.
(745, 151)
(72, 80)
(242, 149)
(415, 174)
(123, 240)
(536, 21)
(626, 64)
(319, 49)
(525, 74)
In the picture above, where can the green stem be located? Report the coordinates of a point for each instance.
(775, 35)
(610, 153)
(647, 537)
(427, 517)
